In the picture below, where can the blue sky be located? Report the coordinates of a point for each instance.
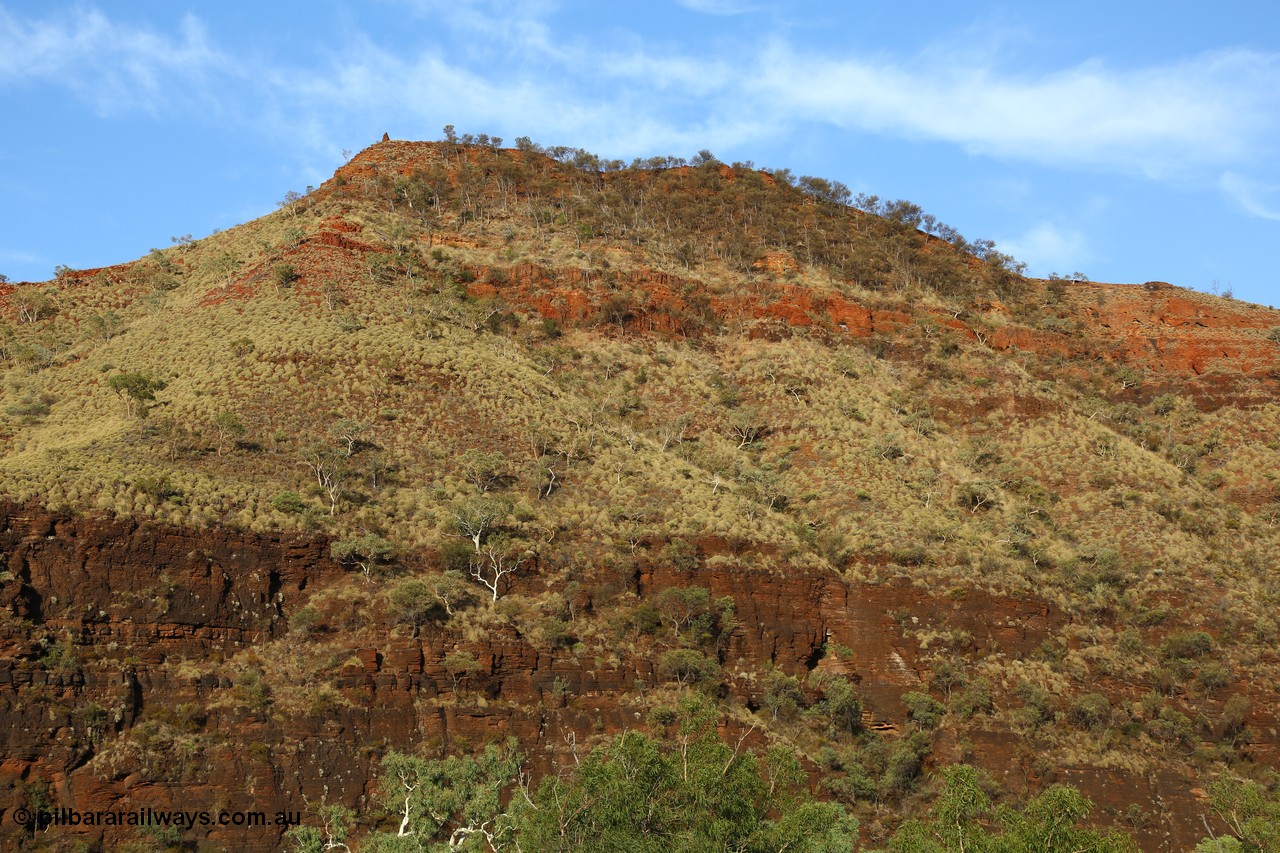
(1126, 141)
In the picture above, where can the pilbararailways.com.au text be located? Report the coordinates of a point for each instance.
(44, 819)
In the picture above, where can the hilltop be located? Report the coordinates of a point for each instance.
(471, 442)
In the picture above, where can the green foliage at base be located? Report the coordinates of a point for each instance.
(1251, 813)
(684, 790)
(963, 818)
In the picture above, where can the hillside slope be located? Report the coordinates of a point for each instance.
(690, 428)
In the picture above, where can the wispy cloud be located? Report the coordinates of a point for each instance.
(19, 256)
(115, 67)
(1162, 121)
(1198, 117)
(1048, 247)
(719, 7)
(1261, 200)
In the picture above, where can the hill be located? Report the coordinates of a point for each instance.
(471, 442)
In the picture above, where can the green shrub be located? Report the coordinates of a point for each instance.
(1173, 727)
(285, 274)
(975, 699)
(1037, 703)
(923, 709)
(1234, 714)
(304, 620)
(840, 705)
(288, 502)
(689, 667)
(645, 619)
(241, 347)
(31, 407)
(1186, 645)
(158, 488)
(455, 555)
(1089, 712)
(1212, 675)
(781, 695)
(61, 656)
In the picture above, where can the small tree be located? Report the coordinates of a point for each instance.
(364, 551)
(379, 465)
(763, 485)
(284, 274)
(687, 790)
(411, 602)
(746, 425)
(961, 817)
(226, 265)
(840, 704)
(135, 390)
(336, 824)
(688, 667)
(923, 709)
(672, 433)
(293, 237)
(334, 295)
(228, 428)
(781, 696)
(451, 799)
(1251, 812)
(498, 560)
(290, 202)
(459, 664)
(174, 436)
(331, 472)
(348, 432)
(484, 470)
(32, 304)
(452, 590)
(680, 606)
(105, 326)
(477, 518)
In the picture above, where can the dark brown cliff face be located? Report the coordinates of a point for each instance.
(116, 601)
(106, 617)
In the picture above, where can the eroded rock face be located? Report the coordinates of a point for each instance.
(124, 598)
(1215, 351)
(127, 724)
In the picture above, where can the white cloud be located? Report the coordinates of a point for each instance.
(113, 66)
(19, 256)
(1258, 199)
(1204, 114)
(1196, 118)
(1163, 121)
(1049, 248)
(719, 7)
